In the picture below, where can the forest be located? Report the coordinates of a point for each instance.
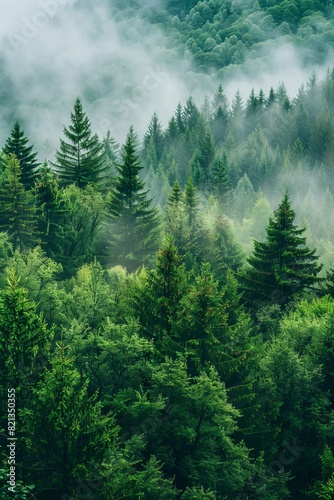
(167, 299)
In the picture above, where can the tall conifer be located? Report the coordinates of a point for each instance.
(17, 144)
(135, 223)
(81, 159)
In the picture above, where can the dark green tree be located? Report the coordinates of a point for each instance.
(158, 299)
(175, 197)
(135, 223)
(153, 143)
(81, 158)
(283, 265)
(64, 433)
(17, 144)
(24, 336)
(220, 183)
(206, 155)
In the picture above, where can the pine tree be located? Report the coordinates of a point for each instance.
(220, 183)
(206, 154)
(220, 100)
(191, 115)
(17, 144)
(175, 196)
(135, 224)
(158, 301)
(111, 149)
(82, 159)
(271, 98)
(17, 213)
(179, 117)
(153, 143)
(281, 266)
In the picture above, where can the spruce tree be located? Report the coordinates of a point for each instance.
(82, 158)
(175, 196)
(220, 183)
(17, 212)
(281, 266)
(135, 223)
(206, 154)
(17, 144)
(153, 143)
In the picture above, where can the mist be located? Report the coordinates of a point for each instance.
(123, 70)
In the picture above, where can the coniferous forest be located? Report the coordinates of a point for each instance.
(167, 285)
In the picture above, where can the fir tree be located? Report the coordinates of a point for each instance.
(281, 266)
(135, 224)
(220, 183)
(82, 159)
(17, 144)
(153, 143)
(206, 154)
(175, 196)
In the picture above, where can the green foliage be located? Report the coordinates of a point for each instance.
(22, 492)
(79, 218)
(134, 227)
(17, 144)
(16, 207)
(62, 413)
(39, 275)
(82, 159)
(194, 439)
(281, 266)
(46, 192)
(25, 337)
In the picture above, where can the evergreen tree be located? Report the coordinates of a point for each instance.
(24, 337)
(17, 213)
(191, 201)
(79, 220)
(177, 219)
(245, 198)
(82, 159)
(158, 300)
(153, 143)
(17, 144)
(271, 98)
(46, 189)
(64, 430)
(111, 148)
(175, 196)
(135, 224)
(220, 183)
(206, 155)
(237, 115)
(172, 133)
(179, 117)
(191, 115)
(281, 266)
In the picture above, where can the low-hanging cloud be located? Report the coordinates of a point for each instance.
(123, 69)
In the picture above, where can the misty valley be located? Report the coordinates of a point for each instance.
(167, 250)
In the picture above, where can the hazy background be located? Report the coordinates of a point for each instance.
(122, 68)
